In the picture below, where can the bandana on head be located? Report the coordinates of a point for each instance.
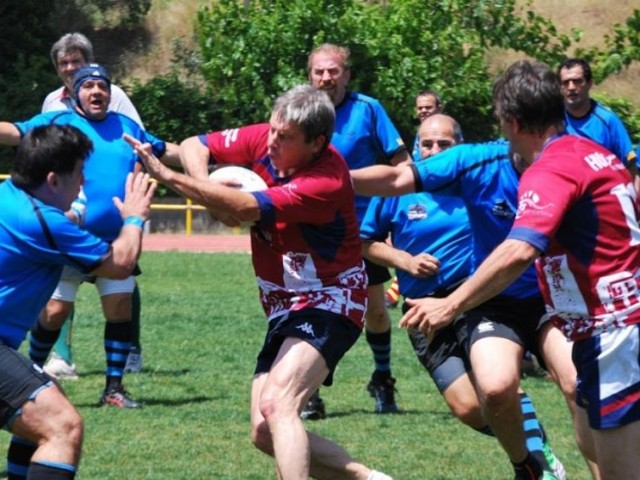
(92, 71)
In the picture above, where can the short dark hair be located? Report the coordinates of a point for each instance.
(530, 94)
(45, 149)
(430, 93)
(577, 62)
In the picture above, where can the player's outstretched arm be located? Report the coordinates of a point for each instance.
(171, 156)
(383, 180)
(9, 134)
(194, 157)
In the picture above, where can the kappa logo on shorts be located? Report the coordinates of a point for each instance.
(485, 327)
(307, 328)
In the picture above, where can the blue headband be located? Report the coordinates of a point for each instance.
(92, 71)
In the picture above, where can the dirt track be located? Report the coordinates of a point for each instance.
(196, 243)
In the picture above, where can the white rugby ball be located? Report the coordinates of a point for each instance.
(248, 180)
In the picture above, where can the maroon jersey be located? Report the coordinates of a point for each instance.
(306, 248)
(577, 205)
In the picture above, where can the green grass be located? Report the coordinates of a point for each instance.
(202, 328)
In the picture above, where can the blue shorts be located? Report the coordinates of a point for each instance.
(329, 333)
(20, 381)
(608, 385)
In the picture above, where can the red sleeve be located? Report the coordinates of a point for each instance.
(238, 146)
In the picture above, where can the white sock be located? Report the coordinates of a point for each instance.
(375, 475)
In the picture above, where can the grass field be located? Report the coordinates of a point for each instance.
(202, 328)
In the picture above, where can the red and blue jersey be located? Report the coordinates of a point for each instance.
(306, 248)
(578, 206)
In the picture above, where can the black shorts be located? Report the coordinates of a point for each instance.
(377, 273)
(518, 320)
(444, 358)
(329, 333)
(20, 381)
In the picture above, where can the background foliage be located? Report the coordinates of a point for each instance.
(249, 51)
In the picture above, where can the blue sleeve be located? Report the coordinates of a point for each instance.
(621, 142)
(33, 122)
(530, 236)
(442, 173)
(376, 225)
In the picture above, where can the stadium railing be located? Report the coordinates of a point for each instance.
(189, 207)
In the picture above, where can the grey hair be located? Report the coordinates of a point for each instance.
(310, 109)
(70, 42)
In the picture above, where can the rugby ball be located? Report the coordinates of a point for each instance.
(245, 179)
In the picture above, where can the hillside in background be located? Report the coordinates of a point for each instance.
(169, 20)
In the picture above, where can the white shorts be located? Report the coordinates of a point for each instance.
(608, 385)
(71, 279)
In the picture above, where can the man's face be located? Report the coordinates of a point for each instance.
(426, 105)
(94, 97)
(574, 88)
(287, 147)
(67, 65)
(435, 134)
(327, 73)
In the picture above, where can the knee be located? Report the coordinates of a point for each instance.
(377, 318)
(55, 313)
(498, 395)
(261, 437)
(72, 427)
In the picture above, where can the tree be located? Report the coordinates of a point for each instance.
(253, 50)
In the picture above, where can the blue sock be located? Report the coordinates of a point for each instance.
(531, 425)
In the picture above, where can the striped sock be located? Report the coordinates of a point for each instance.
(117, 343)
(380, 344)
(51, 471)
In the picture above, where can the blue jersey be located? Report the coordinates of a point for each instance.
(36, 241)
(422, 222)
(106, 169)
(363, 135)
(604, 127)
(483, 176)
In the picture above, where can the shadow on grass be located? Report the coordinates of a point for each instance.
(157, 402)
(145, 371)
(361, 411)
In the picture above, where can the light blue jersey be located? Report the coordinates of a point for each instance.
(106, 169)
(604, 127)
(483, 176)
(36, 241)
(422, 222)
(364, 134)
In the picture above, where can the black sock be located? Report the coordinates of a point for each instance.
(41, 342)
(135, 319)
(528, 469)
(19, 457)
(51, 471)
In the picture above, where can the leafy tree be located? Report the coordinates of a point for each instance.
(254, 50)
